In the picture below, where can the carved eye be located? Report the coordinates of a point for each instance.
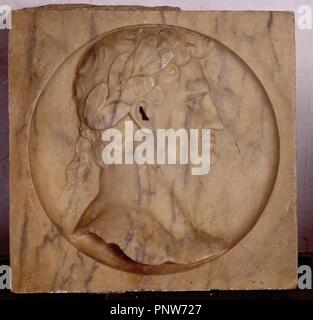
(195, 102)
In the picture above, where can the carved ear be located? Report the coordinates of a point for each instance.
(141, 114)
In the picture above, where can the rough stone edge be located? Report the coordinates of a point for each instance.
(85, 7)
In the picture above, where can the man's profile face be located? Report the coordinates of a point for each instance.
(144, 199)
(151, 193)
(186, 104)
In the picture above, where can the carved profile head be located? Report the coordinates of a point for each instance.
(153, 77)
(147, 76)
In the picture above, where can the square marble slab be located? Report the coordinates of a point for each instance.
(77, 225)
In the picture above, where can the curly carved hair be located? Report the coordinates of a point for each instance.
(126, 66)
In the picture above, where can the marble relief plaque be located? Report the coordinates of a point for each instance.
(144, 215)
